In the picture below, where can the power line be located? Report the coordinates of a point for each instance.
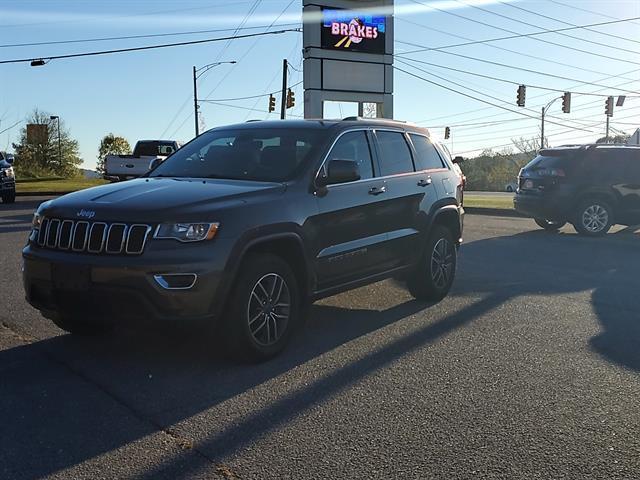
(153, 35)
(242, 23)
(474, 98)
(507, 17)
(496, 47)
(518, 35)
(513, 82)
(246, 108)
(585, 10)
(523, 35)
(151, 47)
(560, 77)
(612, 35)
(214, 100)
(9, 128)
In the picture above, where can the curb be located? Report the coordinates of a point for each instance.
(40, 194)
(499, 212)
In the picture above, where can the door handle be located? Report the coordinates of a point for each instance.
(424, 182)
(377, 190)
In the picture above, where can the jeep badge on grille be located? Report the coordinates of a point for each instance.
(86, 213)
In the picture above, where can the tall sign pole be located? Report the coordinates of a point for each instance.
(195, 100)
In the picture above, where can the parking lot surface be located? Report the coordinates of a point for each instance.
(529, 369)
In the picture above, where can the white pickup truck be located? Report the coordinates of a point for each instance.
(145, 153)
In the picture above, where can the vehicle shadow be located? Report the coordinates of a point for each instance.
(134, 385)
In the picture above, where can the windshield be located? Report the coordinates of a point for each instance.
(550, 161)
(257, 154)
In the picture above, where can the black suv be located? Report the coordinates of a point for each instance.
(248, 224)
(591, 186)
(7, 178)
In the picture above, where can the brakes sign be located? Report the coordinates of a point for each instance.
(350, 30)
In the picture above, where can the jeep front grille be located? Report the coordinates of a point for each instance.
(93, 237)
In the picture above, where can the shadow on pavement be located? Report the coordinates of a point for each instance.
(50, 421)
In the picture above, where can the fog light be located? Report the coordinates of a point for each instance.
(176, 281)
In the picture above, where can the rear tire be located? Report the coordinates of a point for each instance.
(593, 217)
(434, 275)
(548, 225)
(264, 309)
(9, 197)
(80, 326)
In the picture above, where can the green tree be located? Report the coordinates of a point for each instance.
(622, 138)
(47, 156)
(111, 145)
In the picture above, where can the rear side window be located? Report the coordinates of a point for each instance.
(354, 146)
(394, 152)
(427, 157)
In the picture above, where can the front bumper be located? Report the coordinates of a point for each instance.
(123, 289)
(7, 185)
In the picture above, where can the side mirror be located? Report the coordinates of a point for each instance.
(340, 171)
(155, 162)
(458, 159)
(9, 158)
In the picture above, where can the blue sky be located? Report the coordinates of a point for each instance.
(149, 94)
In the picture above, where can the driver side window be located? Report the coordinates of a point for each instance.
(354, 146)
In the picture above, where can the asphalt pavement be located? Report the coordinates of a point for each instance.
(529, 369)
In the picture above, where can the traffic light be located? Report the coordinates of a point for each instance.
(272, 103)
(291, 98)
(566, 102)
(447, 133)
(608, 107)
(522, 93)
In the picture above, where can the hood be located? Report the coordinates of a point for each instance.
(156, 199)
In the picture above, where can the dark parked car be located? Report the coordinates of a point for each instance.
(246, 225)
(590, 186)
(7, 178)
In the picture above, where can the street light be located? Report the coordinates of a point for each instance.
(56, 117)
(197, 73)
(544, 112)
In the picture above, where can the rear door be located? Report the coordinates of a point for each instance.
(400, 208)
(349, 237)
(632, 184)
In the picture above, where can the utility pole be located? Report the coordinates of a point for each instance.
(607, 134)
(195, 101)
(283, 100)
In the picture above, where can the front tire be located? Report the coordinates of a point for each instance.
(548, 225)
(434, 275)
(593, 218)
(264, 309)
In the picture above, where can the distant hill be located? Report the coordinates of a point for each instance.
(90, 173)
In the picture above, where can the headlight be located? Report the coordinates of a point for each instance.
(187, 232)
(9, 172)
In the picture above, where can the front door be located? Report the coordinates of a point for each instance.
(348, 237)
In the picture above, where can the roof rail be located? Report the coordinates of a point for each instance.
(253, 120)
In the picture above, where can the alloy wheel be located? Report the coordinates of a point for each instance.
(595, 218)
(442, 265)
(268, 309)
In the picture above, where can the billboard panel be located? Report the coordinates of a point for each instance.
(352, 30)
(37, 133)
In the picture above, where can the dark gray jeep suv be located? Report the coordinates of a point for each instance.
(246, 225)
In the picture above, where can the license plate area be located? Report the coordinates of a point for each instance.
(71, 277)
